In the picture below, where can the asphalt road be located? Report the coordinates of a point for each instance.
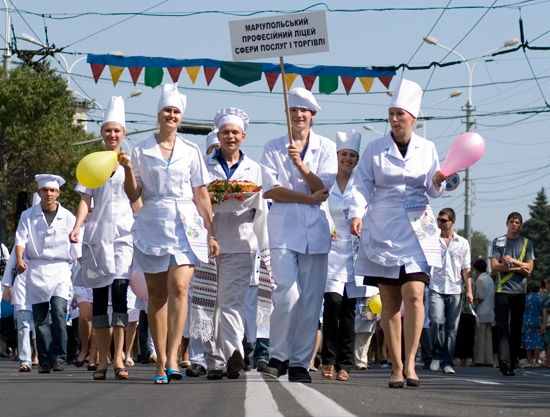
(470, 392)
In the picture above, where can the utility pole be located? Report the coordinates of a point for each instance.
(468, 181)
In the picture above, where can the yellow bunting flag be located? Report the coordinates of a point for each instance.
(367, 83)
(289, 78)
(193, 72)
(116, 72)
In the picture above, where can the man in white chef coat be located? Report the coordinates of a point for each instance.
(43, 248)
(238, 246)
(297, 177)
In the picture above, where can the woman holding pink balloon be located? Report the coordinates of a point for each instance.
(107, 243)
(173, 231)
(399, 237)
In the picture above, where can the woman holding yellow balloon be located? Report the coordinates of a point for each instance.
(107, 242)
(400, 239)
(173, 230)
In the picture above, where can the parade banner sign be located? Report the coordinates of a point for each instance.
(283, 35)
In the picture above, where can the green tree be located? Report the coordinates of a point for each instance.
(478, 246)
(36, 132)
(537, 229)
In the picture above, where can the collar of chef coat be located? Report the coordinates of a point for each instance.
(37, 211)
(347, 190)
(313, 145)
(150, 148)
(391, 147)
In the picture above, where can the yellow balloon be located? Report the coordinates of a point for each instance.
(375, 304)
(95, 169)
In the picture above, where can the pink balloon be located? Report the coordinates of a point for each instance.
(465, 151)
(138, 284)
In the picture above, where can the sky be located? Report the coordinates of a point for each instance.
(505, 88)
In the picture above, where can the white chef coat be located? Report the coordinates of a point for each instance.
(158, 229)
(48, 253)
(340, 257)
(389, 181)
(107, 239)
(17, 284)
(302, 228)
(234, 230)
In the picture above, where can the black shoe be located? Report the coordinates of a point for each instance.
(398, 384)
(247, 364)
(44, 369)
(275, 368)
(214, 374)
(79, 364)
(298, 374)
(506, 371)
(415, 383)
(58, 366)
(195, 370)
(261, 366)
(92, 368)
(235, 365)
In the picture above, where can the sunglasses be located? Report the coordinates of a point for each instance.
(439, 220)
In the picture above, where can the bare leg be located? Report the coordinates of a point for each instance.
(93, 348)
(103, 338)
(157, 311)
(413, 297)
(391, 324)
(130, 337)
(85, 329)
(118, 338)
(317, 344)
(179, 278)
(184, 354)
(34, 350)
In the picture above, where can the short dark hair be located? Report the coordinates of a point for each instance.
(480, 265)
(514, 215)
(533, 286)
(449, 212)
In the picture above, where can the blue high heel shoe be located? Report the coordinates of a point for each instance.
(160, 380)
(174, 374)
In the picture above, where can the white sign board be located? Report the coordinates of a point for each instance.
(293, 34)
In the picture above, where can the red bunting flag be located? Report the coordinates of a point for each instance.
(348, 83)
(97, 69)
(308, 81)
(271, 78)
(175, 73)
(135, 73)
(386, 80)
(209, 74)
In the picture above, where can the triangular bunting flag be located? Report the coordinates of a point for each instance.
(289, 78)
(134, 73)
(386, 80)
(97, 69)
(367, 83)
(174, 73)
(241, 73)
(308, 81)
(193, 72)
(153, 76)
(328, 84)
(271, 78)
(348, 83)
(209, 74)
(116, 72)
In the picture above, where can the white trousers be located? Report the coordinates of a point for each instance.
(235, 271)
(297, 300)
(24, 327)
(361, 350)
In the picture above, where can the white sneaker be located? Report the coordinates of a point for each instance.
(448, 370)
(434, 366)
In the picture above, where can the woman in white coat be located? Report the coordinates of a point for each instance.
(394, 175)
(170, 174)
(107, 249)
(339, 310)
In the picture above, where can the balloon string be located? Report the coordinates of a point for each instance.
(89, 246)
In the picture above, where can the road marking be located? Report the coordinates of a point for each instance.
(536, 373)
(258, 398)
(481, 381)
(315, 403)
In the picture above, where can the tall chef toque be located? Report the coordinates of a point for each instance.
(300, 97)
(407, 95)
(171, 97)
(49, 181)
(231, 115)
(212, 138)
(115, 111)
(349, 140)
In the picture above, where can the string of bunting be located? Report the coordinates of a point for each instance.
(237, 73)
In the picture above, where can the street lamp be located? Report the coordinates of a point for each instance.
(7, 47)
(469, 123)
(424, 123)
(372, 129)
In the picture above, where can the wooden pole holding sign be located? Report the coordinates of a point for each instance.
(287, 110)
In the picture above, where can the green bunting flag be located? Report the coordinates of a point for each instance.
(153, 77)
(241, 73)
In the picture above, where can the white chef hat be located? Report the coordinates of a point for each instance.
(407, 95)
(171, 97)
(300, 97)
(49, 180)
(350, 140)
(212, 138)
(115, 111)
(231, 115)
